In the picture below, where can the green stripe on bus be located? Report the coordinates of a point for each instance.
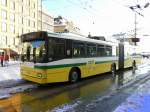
(60, 66)
(69, 65)
(100, 62)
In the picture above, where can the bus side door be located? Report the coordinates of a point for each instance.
(90, 67)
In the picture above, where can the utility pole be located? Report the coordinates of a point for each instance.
(134, 9)
(121, 38)
(135, 28)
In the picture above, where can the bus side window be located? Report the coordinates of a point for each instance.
(28, 53)
(108, 51)
(59, 49)
(56, 49)
(100, 50)
(91, 50)
(78, 49)
(50, 50)
(68, 52)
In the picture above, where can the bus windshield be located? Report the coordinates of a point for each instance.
(34, 51)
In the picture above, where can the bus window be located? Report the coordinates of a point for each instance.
(34, 51)
(56, 49)
(28, 53)
(100, 50)
(108, 50)
(91, 50)
(78, 49)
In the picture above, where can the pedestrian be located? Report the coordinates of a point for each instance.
(2, 59)
(6, 59)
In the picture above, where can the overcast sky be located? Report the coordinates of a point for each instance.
(103, 17)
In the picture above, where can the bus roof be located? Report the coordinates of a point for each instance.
(80, 38)
(43, 34)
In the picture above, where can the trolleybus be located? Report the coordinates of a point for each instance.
(60, 57)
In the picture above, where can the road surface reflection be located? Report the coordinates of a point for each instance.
(51, 96)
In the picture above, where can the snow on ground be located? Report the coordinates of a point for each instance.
(138, 101)
(66, 107)
(10, 80)
(10, 72)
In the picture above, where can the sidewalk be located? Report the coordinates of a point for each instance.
(138, 101)
(10, 72)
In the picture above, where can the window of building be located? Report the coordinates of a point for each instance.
(4, 2)
(20, 9)
(34, 5)
(34, 14)
(28, 31)
(14, 41)
(3, 40)
(28, 22)
(4, 14)
(12, 28)
(12, 17)
(6, 41)
(34, 24)
(22, 21)
(12, 5)
(22, 31)
(28, 2)
(4, 27)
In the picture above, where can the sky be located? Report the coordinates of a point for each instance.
(103, 17)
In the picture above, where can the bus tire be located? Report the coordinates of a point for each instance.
(73, 76)
(113, 68)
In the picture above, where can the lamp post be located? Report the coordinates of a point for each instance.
(134, 9)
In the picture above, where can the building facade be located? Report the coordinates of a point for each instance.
(46, 21)
(63, 25)
(16, 17)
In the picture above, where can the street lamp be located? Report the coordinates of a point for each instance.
(133, 8)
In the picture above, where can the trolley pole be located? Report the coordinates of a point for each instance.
(136, 8)
(135, 28)
(121, 55)
(121, 39)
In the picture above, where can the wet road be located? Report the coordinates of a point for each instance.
(102, 93)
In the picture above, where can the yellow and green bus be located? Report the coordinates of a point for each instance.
(61, 57)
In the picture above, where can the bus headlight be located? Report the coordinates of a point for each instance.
(39, 75)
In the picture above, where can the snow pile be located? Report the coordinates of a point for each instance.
(7, 92)
(10, 72)
(4, 94)
(66, 108)
(22, 88)
(138, 102)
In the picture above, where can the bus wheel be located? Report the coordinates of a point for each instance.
(113, 68)
(73, 76)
